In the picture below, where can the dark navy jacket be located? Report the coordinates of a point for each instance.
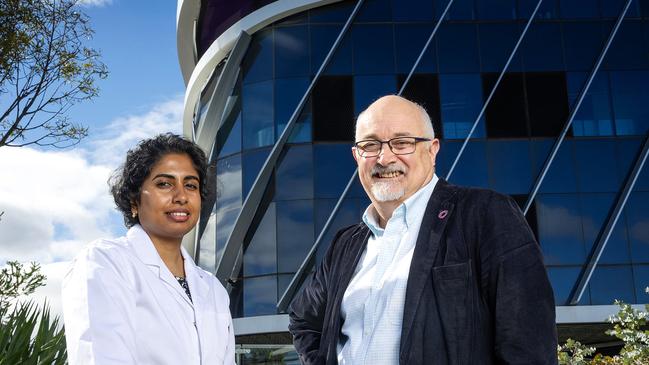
(477, 292)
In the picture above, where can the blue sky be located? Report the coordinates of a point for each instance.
(55, 201)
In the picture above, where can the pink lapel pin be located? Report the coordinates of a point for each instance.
(442, 214)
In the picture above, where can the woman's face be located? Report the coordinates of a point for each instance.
(170, 199)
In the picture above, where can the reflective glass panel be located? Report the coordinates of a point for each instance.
(334, 13)
(228, 198)
(409, 40)
(294, 233)
(460, 9)
(322, 39)
(583, 44)
(560, 231)
(207, 244)
(253, 161)
(412, 10)
(288, 93)
(346, 216)
(505, 115)
(641, 279)
(369, 88)
(260, 257)
(594, 115)
(561, 176)
(609, 283)
(257, 65)
(595, 209)
(572, 9)
(375, 11)
(260, 296)
(497, 41)
(542, 48)
(424, 90)
(637, 217)
(333, 109)
(471, 170)
(495, 10)
(630, 95)
(563, 280)
(373, 49)
(233, 142)
(628, 50)
(547, 103)
(461, 102)
(291, 51)
(509, 166)
(457, 48)
(596, 160)
(294, 175)
(257, 105)
(333, 167)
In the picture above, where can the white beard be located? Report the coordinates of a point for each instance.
(385, 191)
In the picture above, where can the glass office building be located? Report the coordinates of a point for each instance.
(545, 101)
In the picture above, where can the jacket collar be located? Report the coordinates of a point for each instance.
(145, 251)
(438, 212)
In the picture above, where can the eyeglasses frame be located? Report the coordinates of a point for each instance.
(378, 152)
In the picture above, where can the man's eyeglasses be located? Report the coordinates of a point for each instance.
(398, 146)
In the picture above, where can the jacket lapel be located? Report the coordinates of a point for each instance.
(438, 212)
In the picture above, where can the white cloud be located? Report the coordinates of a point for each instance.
(89, 3)
(55, 201)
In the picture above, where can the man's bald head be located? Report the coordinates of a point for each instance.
(395, 103)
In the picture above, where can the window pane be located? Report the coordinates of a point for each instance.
(630, 95)
(542, 48)
(322, 39)
(288, 93)
(260, 257)
(369, 88)
(628, 49)
(505, 115)
(333, 109)
(228, 198)
(333, 165)
(375, 11)
(641, 279)
(595, 209)
(207, 245)
(563, 280)
(338, 12)
(294, 175)
(424, 90)
(583, 44)
(291, 51)
(257, 105)
(549, 9)
(637, 217)
(494, 10)
(596, 165)
(471, 170)
(571, 9)
(409, 40)
(253, 161)
(460, 9)
(547, 100)
(294, 233)
(594, 115)
(461, 102)
(258, 62)
(260, 296)
(457, 48)
(561, 177)
(233, 142)
(412, 10)
(497, 41)
(346, 216)
(373, 49)
(509, 166)
(609, 283)
(560, 232)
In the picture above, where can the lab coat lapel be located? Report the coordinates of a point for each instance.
(438, 212)
(196, 279)
(146, 252)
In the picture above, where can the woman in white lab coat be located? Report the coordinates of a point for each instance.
(140, 299)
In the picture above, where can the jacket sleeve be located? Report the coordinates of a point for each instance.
(307, 311)
(98, 309)
(520, 295)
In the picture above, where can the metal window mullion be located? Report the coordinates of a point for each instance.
(573, 112)
(230, 261)
(493, 89)
(300, 275)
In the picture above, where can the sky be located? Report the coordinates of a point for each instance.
(56, 200)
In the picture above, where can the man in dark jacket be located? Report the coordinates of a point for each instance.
(435, 274)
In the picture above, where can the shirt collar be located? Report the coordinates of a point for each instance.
(410, 210)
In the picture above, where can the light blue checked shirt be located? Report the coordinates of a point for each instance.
(372, 306)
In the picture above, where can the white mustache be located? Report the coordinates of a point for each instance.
(380, 169)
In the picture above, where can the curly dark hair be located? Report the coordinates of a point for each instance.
(126, 182)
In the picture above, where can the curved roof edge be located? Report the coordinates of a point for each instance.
(217, 51)
(186, 15)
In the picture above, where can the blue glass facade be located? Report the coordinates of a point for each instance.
(456, 74)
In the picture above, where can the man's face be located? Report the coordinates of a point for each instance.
(390, 178)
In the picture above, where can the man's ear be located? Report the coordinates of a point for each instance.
(355, 154)
(433, 149)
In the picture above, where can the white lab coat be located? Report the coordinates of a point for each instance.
(122, 305)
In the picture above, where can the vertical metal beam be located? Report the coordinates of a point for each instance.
(493, 89)
(605, 234)
(228, 266)
(301, 273)
(575, 109)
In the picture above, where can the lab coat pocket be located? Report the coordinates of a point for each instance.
(215, 331)
(453, 294)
